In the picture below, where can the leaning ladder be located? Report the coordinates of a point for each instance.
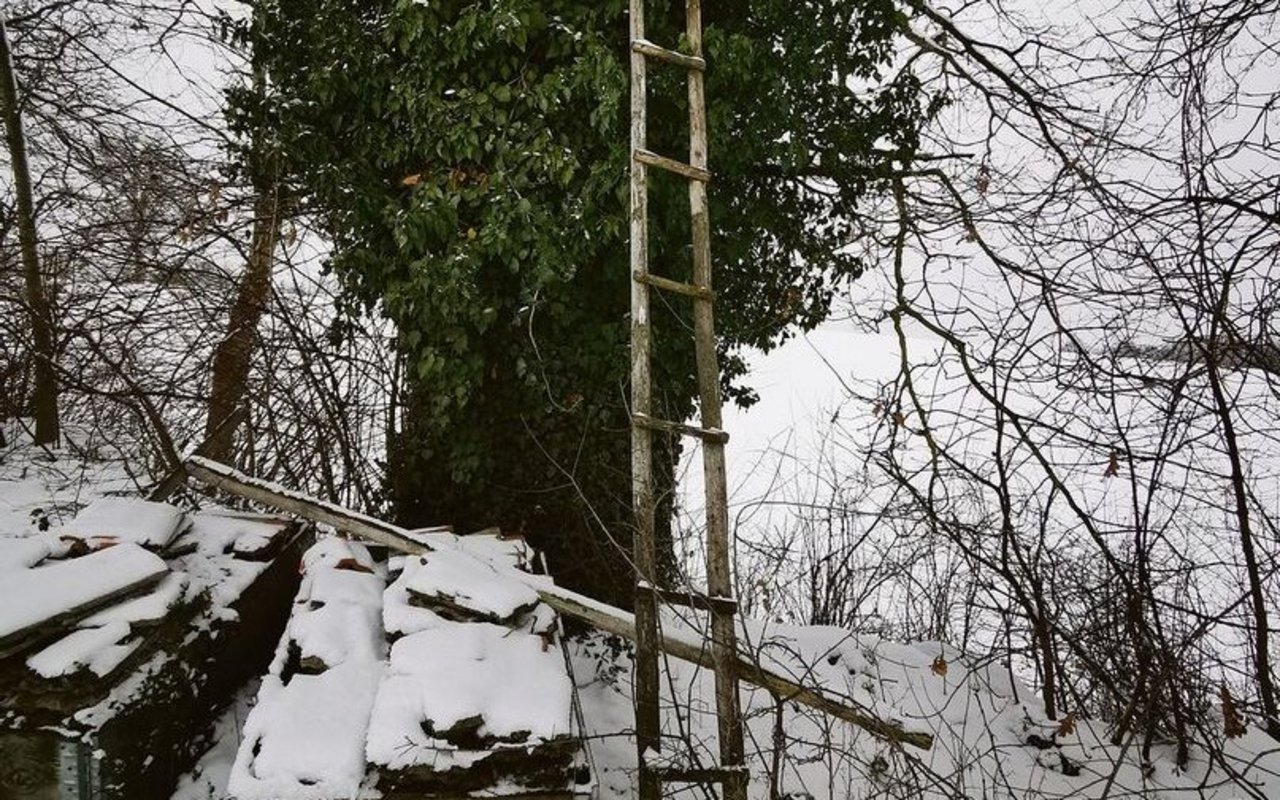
(731, 773)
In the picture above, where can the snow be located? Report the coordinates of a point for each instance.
(305, 740)
(465, 581)
(981, 719)
(22, 552)
(99, 649)
(496, 549)
(338, 632)
(125, 519)
(400, 616)
(511, 681)
(333, 550)
(36, 595)
(221, 531)
(305, 737)
(148, 609)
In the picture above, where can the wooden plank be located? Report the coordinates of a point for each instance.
(57, 625)
(220, 476)
(691, 171)
(616, 621)
(648, 48)
(700, 600)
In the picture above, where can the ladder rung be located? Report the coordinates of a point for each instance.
(695, 600)
(648, 48)
(679, 287)
(709, 775)
(713, 435)
(691, 599)
(671, 165)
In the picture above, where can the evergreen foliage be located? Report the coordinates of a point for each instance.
(469, 162)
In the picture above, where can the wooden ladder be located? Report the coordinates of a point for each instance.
(731, 774)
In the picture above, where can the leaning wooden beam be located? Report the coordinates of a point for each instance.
(220, 476)
(600, 615)
(689, 648)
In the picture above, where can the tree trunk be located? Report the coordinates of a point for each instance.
(234, 354)
(39, 307)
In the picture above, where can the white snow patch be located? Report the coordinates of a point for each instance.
(460, 671)
(305, 740)
(125, 519)
(149, 608)
(468, 582)
(35, 595)
(100, 650)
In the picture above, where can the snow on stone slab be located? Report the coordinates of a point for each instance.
(497, 549)
(333, 550)
(400, 616)
(100, 650)
(224, 531)
(148, 609)
(460, 580)
(338, 632)
(126, 519)
(33, 596)
(338, 613)
(305, 740)
(332, 585)
(458, 672)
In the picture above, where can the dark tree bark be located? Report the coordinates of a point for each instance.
(39, 306)
(234, 354)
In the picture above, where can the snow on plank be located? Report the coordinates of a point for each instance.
(468, 686)
(244, 534)
(471, 707)
(41, 601)
(99, 650)
(125, 519)
(459, 586)
(146, 610)
(22, 552)
(304, 740)
(305, 737)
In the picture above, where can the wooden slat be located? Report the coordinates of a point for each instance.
(220, 476)
(692, 172)
(648, 48)
(621, 623)
(667, 426)
(56, 625)
(677, 597)
(679, 287)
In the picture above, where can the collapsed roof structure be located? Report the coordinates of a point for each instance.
(122, 636)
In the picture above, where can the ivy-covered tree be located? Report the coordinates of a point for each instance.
(469, 161)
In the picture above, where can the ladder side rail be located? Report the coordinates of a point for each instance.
(644, 546)
(719, 569)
